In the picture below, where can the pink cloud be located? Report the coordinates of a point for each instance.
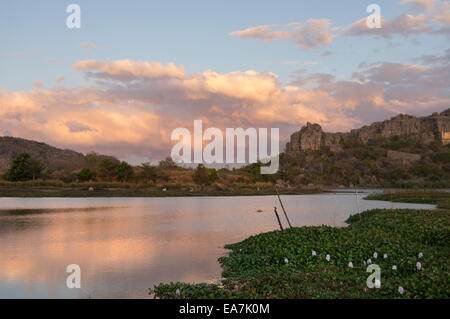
(308, 35)
(90, 45)
(135, 110)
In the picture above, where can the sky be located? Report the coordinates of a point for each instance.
(135, 70)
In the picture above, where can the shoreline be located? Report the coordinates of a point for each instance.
(24, 192)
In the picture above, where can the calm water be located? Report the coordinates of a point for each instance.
(126, 245)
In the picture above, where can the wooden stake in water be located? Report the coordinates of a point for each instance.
(357, 199)
(278, 218)
(284, 211)
(357, 203)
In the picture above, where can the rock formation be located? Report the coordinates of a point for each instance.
(435, 127)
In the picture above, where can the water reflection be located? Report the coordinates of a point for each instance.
(126, 245)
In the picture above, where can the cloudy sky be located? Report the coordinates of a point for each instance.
(136, 70)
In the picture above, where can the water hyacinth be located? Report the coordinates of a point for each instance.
(385, 256)
(350, 264)
(286, 260)
(364, 262)
(375, 255)
(419, 265)
(369, 261)
(401, 290)
(394, 267)
(314, 253)
(328, 257)
(420, 255)
(178, 291)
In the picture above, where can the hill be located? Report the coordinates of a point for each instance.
(53, 158)
(393, 152)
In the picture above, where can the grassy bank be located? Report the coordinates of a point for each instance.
(138, 191)
(441, 199)
(276, 265)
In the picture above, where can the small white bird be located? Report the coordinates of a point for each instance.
(369, 261)
(375, 255)
(394, 267)
(401, 290)
(328, 257)
(385, 256)
(286, 261)
(419, 265)
(420, 255)
(350, 264)
(314, 253)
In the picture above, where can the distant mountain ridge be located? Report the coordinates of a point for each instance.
(52, 157)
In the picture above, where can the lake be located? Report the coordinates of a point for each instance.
(126, 245)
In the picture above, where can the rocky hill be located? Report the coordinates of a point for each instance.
(52, 157)
(435, 127)
(404, 149)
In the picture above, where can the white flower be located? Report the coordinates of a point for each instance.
(420, 255)
(394, 267)
(375, 255)
(328, 257)
(350, 264)
(314, 252)
(369, 261)
(419, 265)
(385, 256)
(286, 260)
(401, 290)
(178, 291)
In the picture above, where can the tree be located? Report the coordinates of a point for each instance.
(167, 163)
(108, 168)
(148, 172)
(85, 175)
(124, 172)
(24, 168)
(204, 175)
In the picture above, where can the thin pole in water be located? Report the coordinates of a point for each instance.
(357, 203)
(284, 211)
(278, 218)
(357, 199)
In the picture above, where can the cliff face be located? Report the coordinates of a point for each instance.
(50, 156)
(435, 127)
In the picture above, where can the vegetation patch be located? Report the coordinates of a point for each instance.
(410, 246)
(441, 199)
